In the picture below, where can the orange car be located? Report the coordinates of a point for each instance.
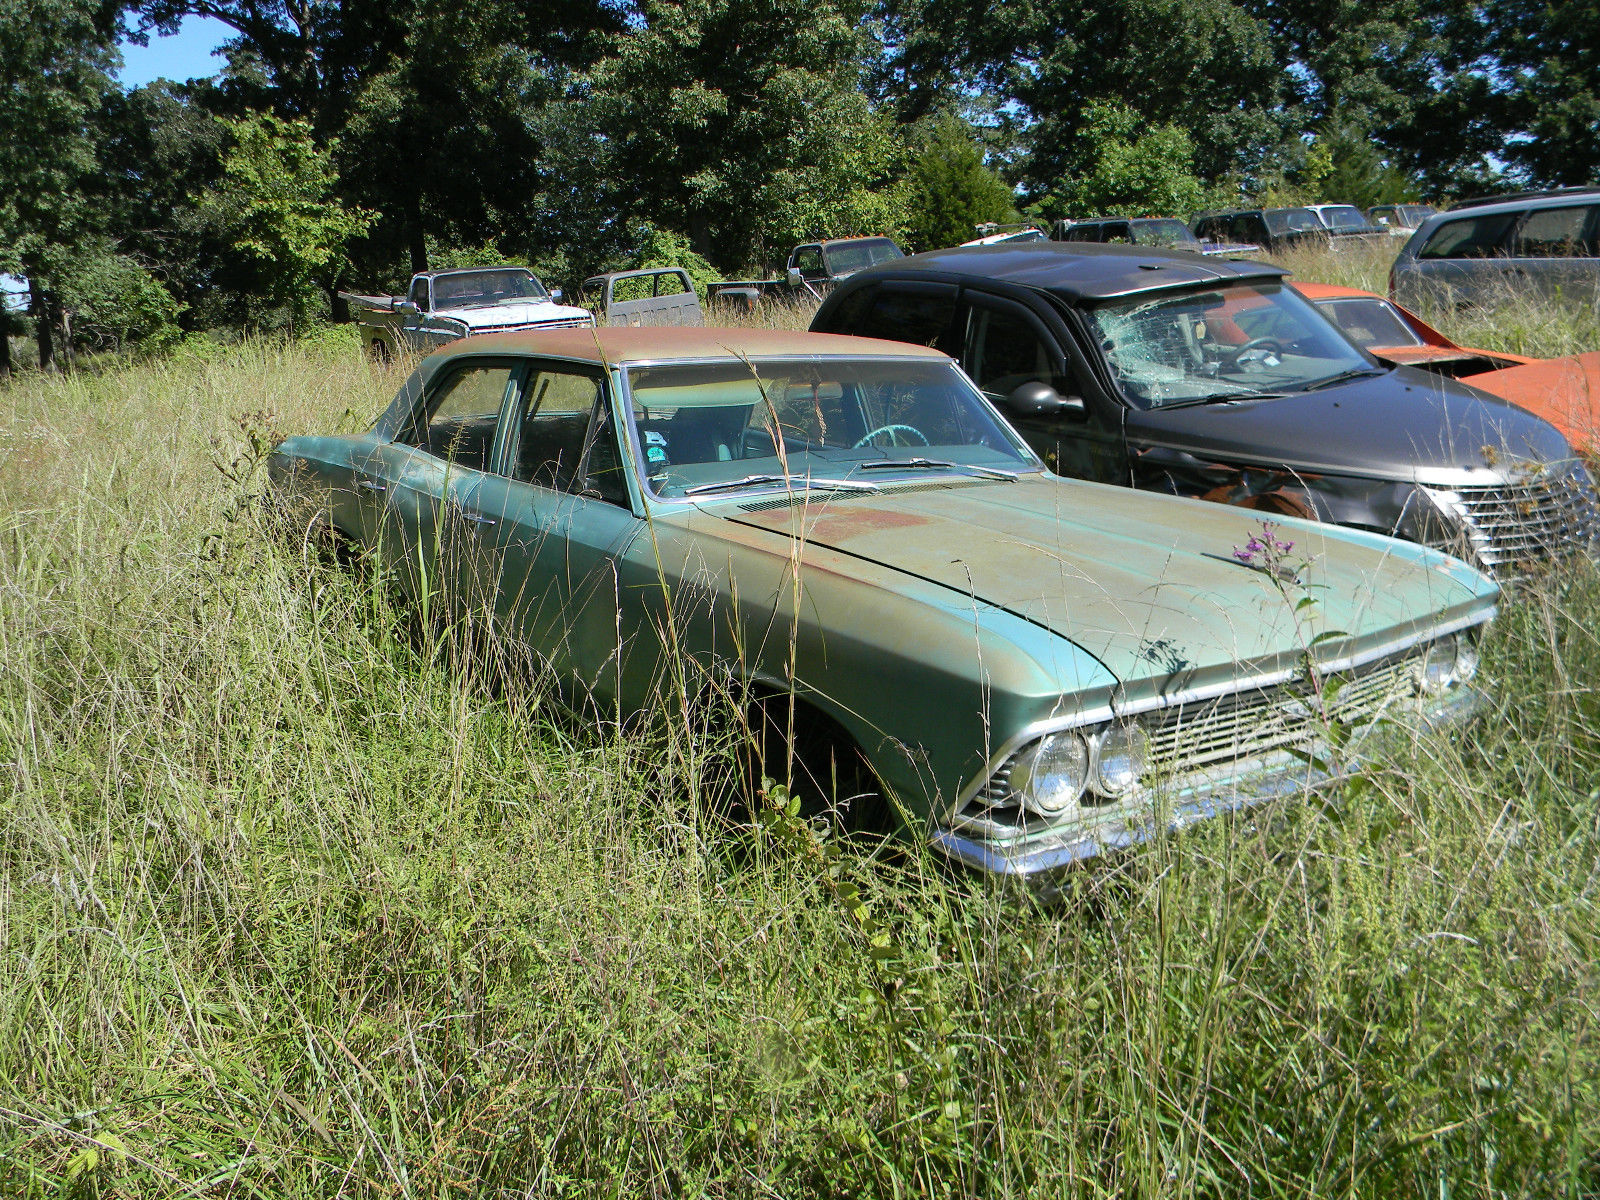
(1564, 391)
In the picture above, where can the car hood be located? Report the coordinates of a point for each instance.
(500, 316)
(1406, 424)
(1564, 391)
(1148, 585)
(1422, 356)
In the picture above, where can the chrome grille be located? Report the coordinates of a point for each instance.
(1192, 737)
(1515, 527)
(563, 323)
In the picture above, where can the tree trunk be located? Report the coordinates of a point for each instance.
(419, 242)
(43, 326)
(5, 344)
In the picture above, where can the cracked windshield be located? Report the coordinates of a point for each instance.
(821, 423)
(1238, 343)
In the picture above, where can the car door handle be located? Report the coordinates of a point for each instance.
(477, 520)
(368, 485)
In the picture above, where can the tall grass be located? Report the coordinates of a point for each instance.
(292, 906)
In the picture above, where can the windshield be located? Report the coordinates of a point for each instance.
(846, 258)
(1370, 322)
(1343, 216)
(1163, 231)
(814, 422)
(1234, 342)
(1291, 220)
(469, 289)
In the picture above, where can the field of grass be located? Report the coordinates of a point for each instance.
(291, 906)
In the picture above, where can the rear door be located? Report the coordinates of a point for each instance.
(434, 470)
(1554, 253)
(552, 521)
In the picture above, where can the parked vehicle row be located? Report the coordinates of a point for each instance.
(943, 621)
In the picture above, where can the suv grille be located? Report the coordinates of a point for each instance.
(1513, 528)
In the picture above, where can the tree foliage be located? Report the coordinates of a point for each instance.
(951, 188)
(277, 195)
(1130, 169)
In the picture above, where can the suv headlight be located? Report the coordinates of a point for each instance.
(1051, 774)
(1122, 757)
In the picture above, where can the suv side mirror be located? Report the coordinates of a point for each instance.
(1038, 399)
(555, 295)
(795, 278)
(405, 306)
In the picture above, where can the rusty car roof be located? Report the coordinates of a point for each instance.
(625, 344)
(1076, 270)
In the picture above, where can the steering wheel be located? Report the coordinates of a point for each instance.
(1271, 345)
(893, 430)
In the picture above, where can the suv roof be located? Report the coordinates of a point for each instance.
(1077, 270)
(1565, 193)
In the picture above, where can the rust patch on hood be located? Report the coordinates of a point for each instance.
(834, 525)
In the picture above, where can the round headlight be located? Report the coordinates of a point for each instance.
(1123, 760)
(1466, 659)
(1436, 669)
(1050, 775)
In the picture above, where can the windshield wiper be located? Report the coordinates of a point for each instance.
(1225, 398)
(1342, 376)
(799, 482)
(936, 464)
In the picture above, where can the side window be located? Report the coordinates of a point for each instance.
(1556, 233)
(603, 469)
(419, 294)
(1470, 237)
(462, 413)
(1083, 233)
(921, 316)
(1007, 348)
(636, 288)
(554, 423)
(1117, 232)
(809, 260)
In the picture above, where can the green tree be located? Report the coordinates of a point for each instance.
(950, 188)
(55, 56)
(743, 124)
(277, 195)
(1131, 169)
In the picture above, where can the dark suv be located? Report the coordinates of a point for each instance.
(1200, 377)
(1273, 228)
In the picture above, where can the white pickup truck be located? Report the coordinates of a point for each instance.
(442, 306)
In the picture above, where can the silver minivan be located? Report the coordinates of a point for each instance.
(1487, 252)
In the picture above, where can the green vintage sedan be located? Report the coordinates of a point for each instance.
(1035, 670)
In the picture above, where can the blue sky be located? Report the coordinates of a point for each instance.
(187, 54)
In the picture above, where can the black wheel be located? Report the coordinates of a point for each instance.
(380, 352)
(798, 747)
